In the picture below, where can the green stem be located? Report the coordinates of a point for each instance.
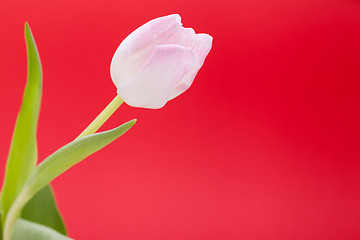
(102, 117)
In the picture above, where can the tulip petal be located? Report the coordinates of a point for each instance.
(136, 48)
(150, 32)
(186, 37)
(151, 87)
(201, 48)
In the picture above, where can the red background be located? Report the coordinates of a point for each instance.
(264, 145)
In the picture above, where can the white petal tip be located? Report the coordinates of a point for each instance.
(177, 17)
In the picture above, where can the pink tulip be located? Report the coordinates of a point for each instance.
(158, 61)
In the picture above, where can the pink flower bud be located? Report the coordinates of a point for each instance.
(158, 61)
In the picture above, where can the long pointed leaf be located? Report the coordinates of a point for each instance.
(23, 151)
(71, 154)
(58, 163)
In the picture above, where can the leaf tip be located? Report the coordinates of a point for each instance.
(132, 122)
(28, 33)
(26, 26)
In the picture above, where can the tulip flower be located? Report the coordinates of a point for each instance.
(158, 62)
(154, 64)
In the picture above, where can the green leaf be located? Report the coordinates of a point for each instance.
(58, 163)
(23, 150)
(42, 209)
(1, 233)
(26, 230)
(71, 154)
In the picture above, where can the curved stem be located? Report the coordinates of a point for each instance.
(102, 117)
